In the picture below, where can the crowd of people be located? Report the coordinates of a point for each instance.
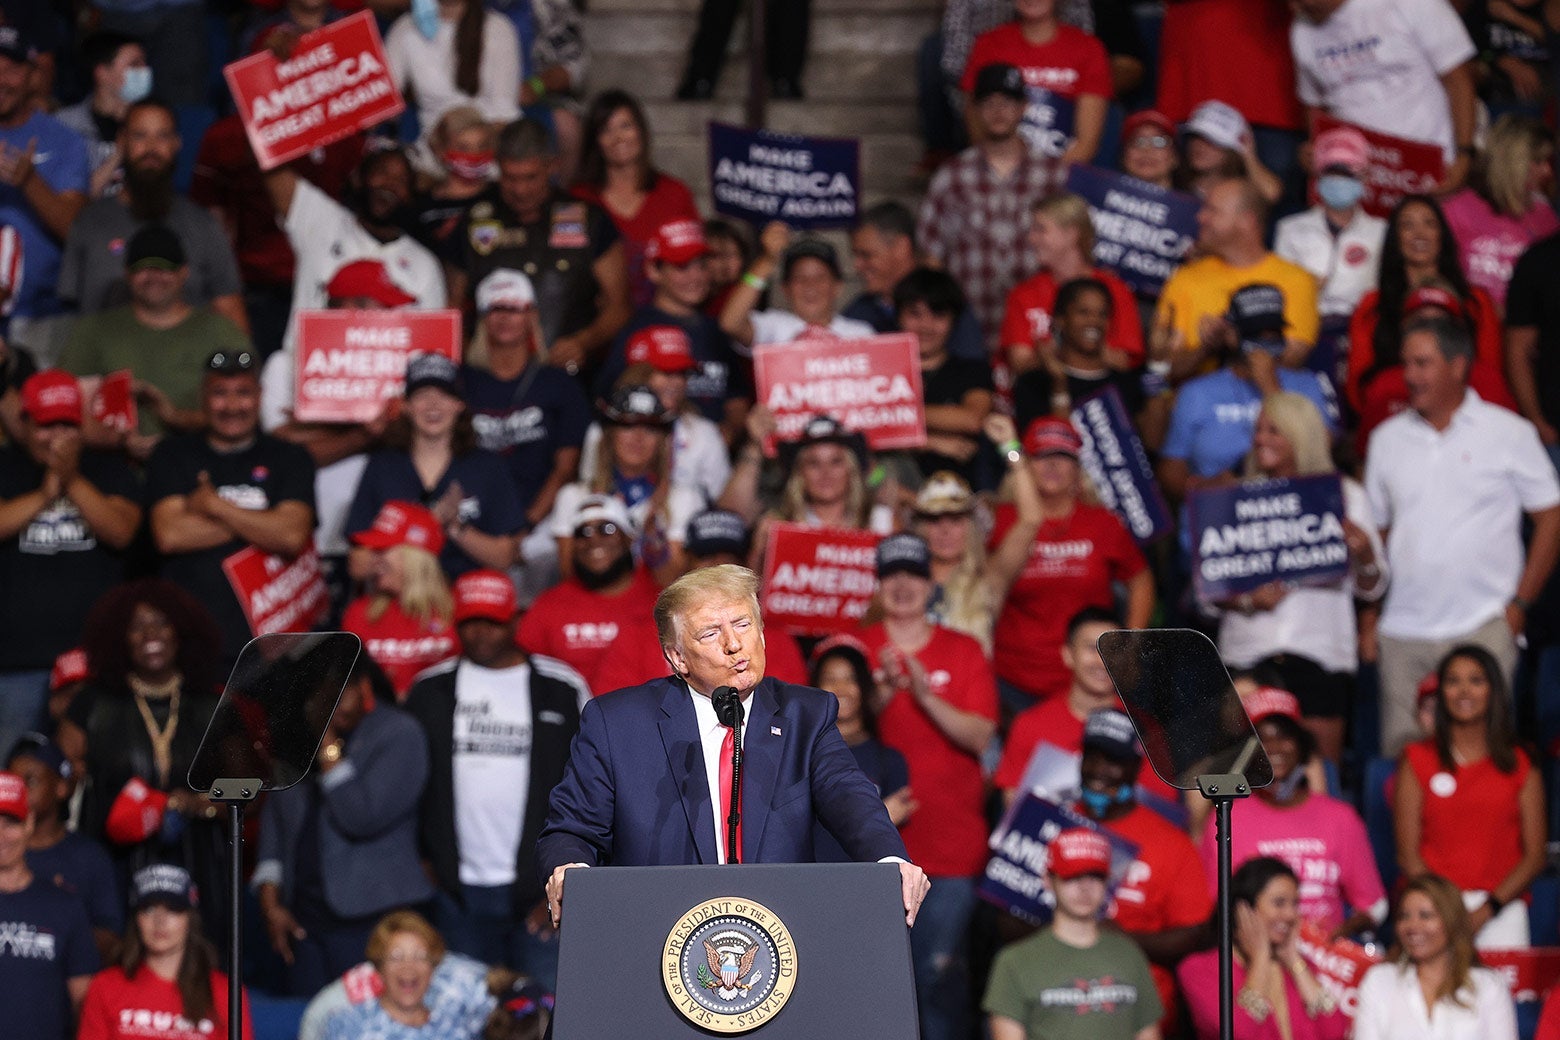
(499, 534)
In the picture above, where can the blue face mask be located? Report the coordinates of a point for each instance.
(1339, 191)
(1098, 803)
(425, 15)
(136, 85)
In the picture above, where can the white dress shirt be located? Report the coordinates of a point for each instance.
(1392, 1007)
(712, 735)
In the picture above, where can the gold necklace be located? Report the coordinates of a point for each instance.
(160, 736)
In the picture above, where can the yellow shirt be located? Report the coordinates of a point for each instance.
(1204, 287)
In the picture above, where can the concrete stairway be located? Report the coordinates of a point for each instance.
(859, 81)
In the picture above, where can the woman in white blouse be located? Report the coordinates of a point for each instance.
(456, 52)
(1434, 988)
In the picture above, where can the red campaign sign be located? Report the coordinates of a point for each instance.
(277, 594)
(1398, 167)
(872, 385)
(351, 362)
(1339, 964)
(818, 580)
(1531, 973)
(336, 82)
(114, 404)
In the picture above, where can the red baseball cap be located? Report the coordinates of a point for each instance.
(664, 347)
(137, 813)
(485, 594)
(1267, 701)
(1051, 436)
(13, 796)
(1433, 296)
(677, 242)
(69, 667)
(52, 396)
(367, 278)
(403, 523)
(1078, 851)
(1148, 117)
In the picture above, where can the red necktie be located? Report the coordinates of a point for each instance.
(726, 747)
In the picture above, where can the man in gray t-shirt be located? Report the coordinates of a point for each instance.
(92, 269)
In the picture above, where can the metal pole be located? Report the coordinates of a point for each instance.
(236, 921)
(1226, 940)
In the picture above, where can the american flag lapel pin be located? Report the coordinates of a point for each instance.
(774, 731)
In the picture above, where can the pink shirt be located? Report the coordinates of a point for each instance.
(1324, 842)
(1489, 242)
(1199, 978)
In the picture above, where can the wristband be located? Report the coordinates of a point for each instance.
(1495, 904)
(1155, 383)
(754, 282)
(538, 87)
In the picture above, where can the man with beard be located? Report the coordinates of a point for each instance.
(43, 183)
(158, 336)
(579, 620)
(92, 271)
(227, 488)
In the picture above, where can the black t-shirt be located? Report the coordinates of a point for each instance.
(947, 384)
(261, 476)
(47, 942)
(1117, 29)
(527, 420)
(1032, 392)
(1533, 301)
(16, 368)
(437, 224)
(556, 252)
(719, 377)
(54, 568)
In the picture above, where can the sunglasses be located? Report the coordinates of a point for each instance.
(237, 361)
(604, 529)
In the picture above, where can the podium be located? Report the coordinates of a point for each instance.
(781, 952)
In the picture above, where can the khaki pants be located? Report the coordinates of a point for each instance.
(1404, 662)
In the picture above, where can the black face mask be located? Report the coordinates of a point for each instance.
(595, 581)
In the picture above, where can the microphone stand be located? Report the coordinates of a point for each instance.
(728, 709)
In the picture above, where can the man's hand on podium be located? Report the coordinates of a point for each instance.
(555, 891)
(914, 884)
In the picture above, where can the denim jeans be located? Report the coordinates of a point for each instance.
(488, 929)
(939, 949)
(22, 699)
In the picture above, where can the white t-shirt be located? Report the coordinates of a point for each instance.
(778, 326)
(1344, 264)
(428, 68)
(492, 766)
(1453, 500)
(700, 458)
(1379, 63)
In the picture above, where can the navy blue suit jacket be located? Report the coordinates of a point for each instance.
(635, 792)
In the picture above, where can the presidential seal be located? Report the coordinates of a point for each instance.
(729, 965)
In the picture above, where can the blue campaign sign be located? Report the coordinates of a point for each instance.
(1142, 232)
(1014, 879)
(1048, 122)
(808, 182)
(1116, 462)
(1249, 534)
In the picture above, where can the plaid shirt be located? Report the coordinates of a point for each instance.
(975, 224)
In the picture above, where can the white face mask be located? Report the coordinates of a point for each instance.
(136, 85)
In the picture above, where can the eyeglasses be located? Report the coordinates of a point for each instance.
(605, 529)
(420, 957)
(1149, 141)
(224, 361)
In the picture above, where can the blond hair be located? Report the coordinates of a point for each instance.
(1070, 211)
(1447, 900)
(1301, 423)
(793, 497)
(393, 924)
(457, 121)
(724, 583)
(425, 594)
(1513, 144)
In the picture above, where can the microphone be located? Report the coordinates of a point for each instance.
(728, 709)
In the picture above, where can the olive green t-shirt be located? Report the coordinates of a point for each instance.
(173, 360)
(1061, 992)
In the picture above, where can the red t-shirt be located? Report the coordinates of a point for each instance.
(227, 178)
(1071, 565)
(946, 836)
(1027, 318)
(1386, 393)
(147, 1007)
(1477, 860)
(1164, 887)
(636, 658)
(1071, 65)
(582, 628)
(667, 200)
(399, 643)
(1235, 51)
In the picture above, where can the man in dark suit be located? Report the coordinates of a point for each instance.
(637, 791)
(499, 725)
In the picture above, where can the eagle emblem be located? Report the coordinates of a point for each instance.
(727, 966)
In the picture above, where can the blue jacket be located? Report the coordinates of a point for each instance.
(635, 792)
(367, 819)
